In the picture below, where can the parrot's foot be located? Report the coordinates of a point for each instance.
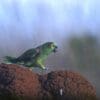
(31, 69)
(45, 68)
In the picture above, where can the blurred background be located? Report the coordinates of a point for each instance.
(72, 25)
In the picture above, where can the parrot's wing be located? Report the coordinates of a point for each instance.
(28, 55)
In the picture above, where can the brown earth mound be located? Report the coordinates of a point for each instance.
(18, 83)
(65, 85)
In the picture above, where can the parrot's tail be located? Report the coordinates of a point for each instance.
(10, 60)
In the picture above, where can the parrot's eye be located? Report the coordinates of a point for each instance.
(49, 45)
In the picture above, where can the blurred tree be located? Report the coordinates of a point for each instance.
(85, 51)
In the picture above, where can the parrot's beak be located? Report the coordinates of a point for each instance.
(55, 49)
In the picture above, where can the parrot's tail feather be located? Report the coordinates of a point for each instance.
(9, 59)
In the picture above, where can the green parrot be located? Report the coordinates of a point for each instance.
(34, 57)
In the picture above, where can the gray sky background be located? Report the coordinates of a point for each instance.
(30, 15)
(26, 23)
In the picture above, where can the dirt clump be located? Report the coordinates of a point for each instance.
(19, 83)
(67, 85)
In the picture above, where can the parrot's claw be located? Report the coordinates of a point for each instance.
(31, 69)
(46, 68)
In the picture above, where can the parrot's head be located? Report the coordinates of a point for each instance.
(49, 47)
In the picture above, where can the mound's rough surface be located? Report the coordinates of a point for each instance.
(17, 83)
(64, 85)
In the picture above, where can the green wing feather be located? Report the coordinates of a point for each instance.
(28, 55)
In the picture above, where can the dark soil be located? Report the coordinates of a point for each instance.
(19, 83)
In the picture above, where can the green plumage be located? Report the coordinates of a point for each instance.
(34, 57)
